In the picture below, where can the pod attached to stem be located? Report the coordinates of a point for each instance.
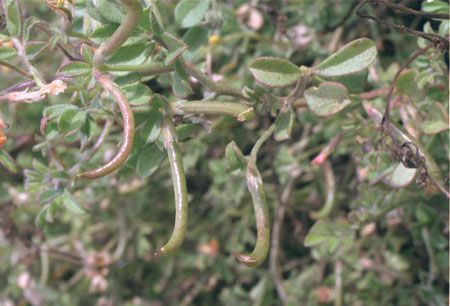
(128, 130)
(256, 189)
(179, 185)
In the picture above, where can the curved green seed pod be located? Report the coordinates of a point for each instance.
(241, 111)
(331, 183)
(179, 186)
(433, 169)
(128, 130)
(256, 188)
(122, 33)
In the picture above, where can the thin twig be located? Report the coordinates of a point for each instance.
(386, 117)
(441, 42)
(260, 142)
(16, 69)
(220, 89)
(275, 242)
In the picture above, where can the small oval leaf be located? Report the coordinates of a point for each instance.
(188, 13)
(152, 128)
(274, 72)
(400, 177)
(353, 57)
(149, 160)
(71, 121)
(7, 52)
(74, 69)
(328, 99)
(8, 162)
(71, 205)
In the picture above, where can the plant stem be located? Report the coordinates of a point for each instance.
(23, 56)
(260, 142)
(434, 172)
(205, 80)
(145, 69)
(121, 34)
(241, 111)
(16, 69)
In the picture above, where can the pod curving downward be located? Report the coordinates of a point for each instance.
(256, 189)
(128, 130)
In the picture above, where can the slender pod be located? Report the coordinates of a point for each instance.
(128, 129)
(122, 33)
(179, 185)
(433, 169)
(241, 111)
(256, 189)
(331, 188)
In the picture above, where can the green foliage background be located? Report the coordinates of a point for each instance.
(386, 246)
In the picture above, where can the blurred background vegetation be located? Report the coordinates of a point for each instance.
(380, 245)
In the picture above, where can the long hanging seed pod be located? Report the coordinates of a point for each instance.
(256, 189)
(128, 130)
(101, 55)
(179, 185)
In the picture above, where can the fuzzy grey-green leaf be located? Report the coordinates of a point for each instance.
(353, 57)
(274, 72)
(328, 99)
(189, 13)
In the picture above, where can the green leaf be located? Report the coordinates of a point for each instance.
(354, 82)
(71, 121)
(436, 121)
(407, 85)
(400, 177)
(62, 175)
(7, 52)
(37, 165)
(136, 93)
(53, 208)
(110, 10)
(274, 72)
(283, 125)
(7, 161)
(49, 195)
(158, 101)
(152, 127)
(40, 220)
(185, 131)
(353, 57)
(149, 160)
(35, 48)
(70, 203)
(95, 14)
(333, 233)
(235, 157)
(180, 87)
(328, 99)
(189, 13)
(103, 33)
(89, 127)
(175, 47)
(155, 26)
(435, 7)
(195, 37)
(56, 110)
(72, 69)
(13, 17)
(134, 54)
(87, 53)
